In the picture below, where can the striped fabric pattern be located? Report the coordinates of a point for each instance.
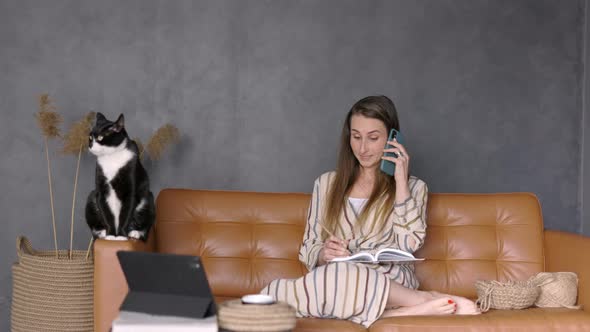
(339, 290)
(354, 291)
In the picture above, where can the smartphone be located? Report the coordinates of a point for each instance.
(387, 166)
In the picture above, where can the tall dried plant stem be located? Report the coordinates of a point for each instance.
(74, 202)
(89, 247)
(51, 197)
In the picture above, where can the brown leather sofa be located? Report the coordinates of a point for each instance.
(246, 239)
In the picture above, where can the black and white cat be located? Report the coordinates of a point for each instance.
(122, 205)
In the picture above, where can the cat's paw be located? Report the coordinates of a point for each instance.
(116, 238)
(135, 235)
(101, 234)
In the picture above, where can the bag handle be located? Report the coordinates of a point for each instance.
(485, 301)
(23, 246)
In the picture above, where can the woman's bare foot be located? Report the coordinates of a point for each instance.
(464, 306)
(438, 306)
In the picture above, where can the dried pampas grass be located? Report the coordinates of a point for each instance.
(76, 139)
(47, 119)
(166, 135)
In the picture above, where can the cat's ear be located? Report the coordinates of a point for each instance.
(119, 124)
(100, 117)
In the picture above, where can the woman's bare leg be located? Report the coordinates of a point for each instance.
(400, 296)
(403, 301)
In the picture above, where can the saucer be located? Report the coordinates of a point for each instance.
(257, 299)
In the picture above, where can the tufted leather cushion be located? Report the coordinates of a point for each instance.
(480, 236)
(247, 239)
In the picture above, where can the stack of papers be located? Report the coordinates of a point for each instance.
(140, 322)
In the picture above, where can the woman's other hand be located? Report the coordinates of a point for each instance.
(333, 247)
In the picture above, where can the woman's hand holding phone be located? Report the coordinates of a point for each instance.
(396, 153)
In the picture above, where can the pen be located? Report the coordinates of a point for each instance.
(328, 231)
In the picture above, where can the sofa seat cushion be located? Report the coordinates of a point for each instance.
(529, 320)
(317, 325)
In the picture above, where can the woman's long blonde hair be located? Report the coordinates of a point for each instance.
(347, 170)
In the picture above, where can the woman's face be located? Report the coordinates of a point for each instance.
(367, 140)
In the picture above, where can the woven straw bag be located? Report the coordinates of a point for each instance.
(53, 294)
(235, 316)
(493, 294)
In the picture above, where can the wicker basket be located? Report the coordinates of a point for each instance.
(493, 294)
(233, 315)
(49, 293)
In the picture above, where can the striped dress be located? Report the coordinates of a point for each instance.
(354, 291)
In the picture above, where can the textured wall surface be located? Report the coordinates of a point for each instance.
(489, 95)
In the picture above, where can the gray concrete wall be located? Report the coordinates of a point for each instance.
(490, 95)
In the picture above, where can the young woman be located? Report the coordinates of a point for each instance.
(365, 210)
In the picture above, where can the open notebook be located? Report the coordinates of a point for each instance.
(386, 255)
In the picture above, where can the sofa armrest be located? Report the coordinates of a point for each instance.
(566, 252)
(110, 286)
